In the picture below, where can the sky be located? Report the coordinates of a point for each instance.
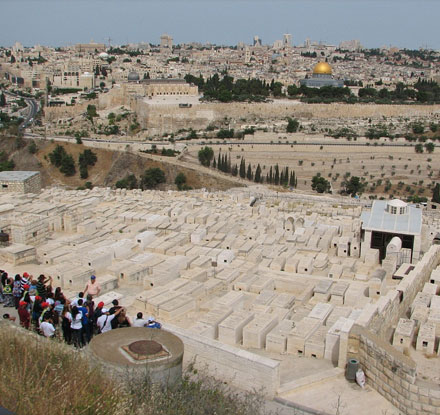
(404, 23)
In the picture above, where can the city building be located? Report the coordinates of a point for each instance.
(166, 41)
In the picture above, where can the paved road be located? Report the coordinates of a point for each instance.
(32, 109)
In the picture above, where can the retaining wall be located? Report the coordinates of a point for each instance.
(239, 368)
(392, 374)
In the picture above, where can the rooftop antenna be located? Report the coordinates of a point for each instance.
(109, 42)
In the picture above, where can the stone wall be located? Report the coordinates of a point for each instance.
(55, 113)
(239, 368)
(382, 316)
(392, 374)
(166, 119)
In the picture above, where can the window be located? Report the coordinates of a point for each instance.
(425, 344)
(34, 234)
(5, 186)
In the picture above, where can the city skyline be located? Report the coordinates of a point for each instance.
(405, 24)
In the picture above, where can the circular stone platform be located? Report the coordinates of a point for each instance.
(143, 350)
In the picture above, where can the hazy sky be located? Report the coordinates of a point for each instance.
(403, 23)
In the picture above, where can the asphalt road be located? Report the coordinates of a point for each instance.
(32, 109)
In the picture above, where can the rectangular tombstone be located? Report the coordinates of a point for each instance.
(255, 332)
(214, 317)
(230, 330)
(321, 312)
(301, 332)
(404, 334)
(315, 344)
(426, 338)
(276, 339)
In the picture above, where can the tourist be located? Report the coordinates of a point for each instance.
(75, 300)
(140, 321)
(75, 318)
(36, 310)
(47, 327)
(3, 278)
(104, 322)
(93, 287)
(7, 293)
(17, 290)
(85, 334)
(41, 286)
(7, 316)
(153, 324)
(24, 315)
(65, 325)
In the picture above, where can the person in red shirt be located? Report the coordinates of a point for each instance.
(23, 313)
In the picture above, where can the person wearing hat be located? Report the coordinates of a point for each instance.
(93, 287)
(96, 314)
(153, 324)
(23, 314)
(104, 322)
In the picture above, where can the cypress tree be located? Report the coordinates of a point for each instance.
(234, 170)
(249, 174)
(214, 163)
(219, 162)
(436, 193)
(270, 176)
(277, 175)
(242, 168)
(258, 174)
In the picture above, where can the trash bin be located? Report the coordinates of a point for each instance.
(352, 367)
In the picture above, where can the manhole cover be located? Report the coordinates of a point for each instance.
(145, 347)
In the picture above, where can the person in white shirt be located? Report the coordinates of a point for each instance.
(47, 327)
(105, 321)
(139, 321)
(75, 318)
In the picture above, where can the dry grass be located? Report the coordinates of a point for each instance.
(40, 377)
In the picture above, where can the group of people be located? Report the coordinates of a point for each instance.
(51, 314)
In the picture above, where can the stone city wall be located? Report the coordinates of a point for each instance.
(392, 374)
(166, 118)
(385, 313)
(239, 368)
(55, 113)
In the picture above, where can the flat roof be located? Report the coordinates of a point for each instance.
(17, 176)
(378, 219)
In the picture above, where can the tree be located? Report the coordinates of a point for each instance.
(2, 100)
(418, 148)
(277, 175)
(180, 181)
(91, 112)
(67, 166)
(354, 186)
(152, 177)
(292, 125)
(205, 155)
(429, 147)
(128, 182)
(56, 156)
(242, 168)
(320, 185)
(258, 174)
(249, 174)
(292, 181)
(436, 193)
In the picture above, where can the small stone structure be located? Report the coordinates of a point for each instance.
(141, 351)
(20, 181)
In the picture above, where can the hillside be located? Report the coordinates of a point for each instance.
(110, 167)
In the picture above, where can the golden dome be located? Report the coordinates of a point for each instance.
(322, 68)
